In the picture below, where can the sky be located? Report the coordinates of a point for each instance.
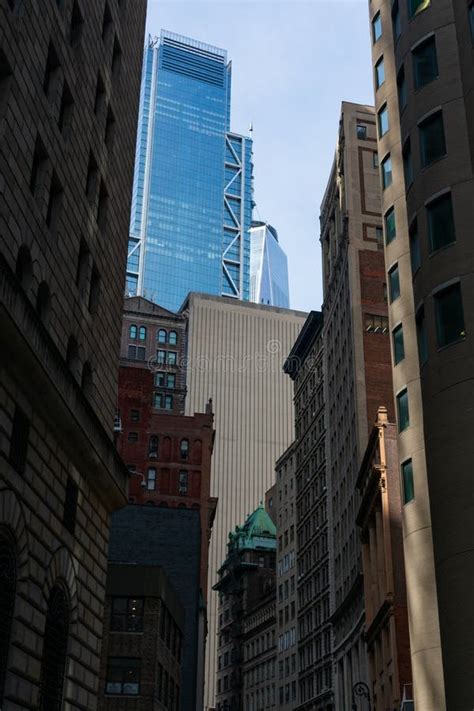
(293, 62)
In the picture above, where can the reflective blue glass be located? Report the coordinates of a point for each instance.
(192, 193)
(268, 267)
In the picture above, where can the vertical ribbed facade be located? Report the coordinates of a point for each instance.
(236, 352)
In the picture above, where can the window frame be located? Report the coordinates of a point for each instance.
(398, 346)
(127, 615)
(161, 335)
(430, 205)
(390, 213)
(379, 63)
(376, 24)
(422, 135)
(394, 270)
(416, 53)
(403, 393)
(122, 683)
(443, 290)
(406, 497)
(383, 111)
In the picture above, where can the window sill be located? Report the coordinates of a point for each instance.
(427, 167)
(437, 251)
(453, 343)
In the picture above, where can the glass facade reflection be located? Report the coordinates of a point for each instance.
(268, 267)
(192, 193)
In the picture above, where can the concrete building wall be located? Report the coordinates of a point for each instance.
(235, 356)
(438, 522)
(62, 267)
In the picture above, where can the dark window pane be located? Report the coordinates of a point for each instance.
(407, 478)
(398, 345)
(415, 255)
(394, 283)
(432, 140)
(70, 505)
(471, 19)
(425, 63)
(361, 132)
(390, 226)
(397, 27)
(421, 336)
(441, 222)
(55, 645)
(416, 6)
(449, 315)
(19, 440)
(402, 89)
(407, 164)
(403, 412)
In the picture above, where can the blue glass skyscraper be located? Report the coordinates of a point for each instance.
(192, 193)
(268, 267)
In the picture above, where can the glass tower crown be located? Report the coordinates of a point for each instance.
(268, 267)
(192, 192)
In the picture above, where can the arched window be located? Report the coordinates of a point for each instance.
(172, 338)
(153, 447)
(184, 448)
(43, 301)
(24, 267)
(7, 602)
(142, 333)
(132, 332)
(55, 648)
(161, 336)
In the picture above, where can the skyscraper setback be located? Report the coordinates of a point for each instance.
(192, 194)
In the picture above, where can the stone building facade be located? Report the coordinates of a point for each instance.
(423, 72)
(380, 524)
(313, 530)
(286, 595)
(357, 368)
(69, 85)
(246, 648)
(142, 643)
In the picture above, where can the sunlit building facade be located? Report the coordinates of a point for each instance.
(192, 194)
(268, 267)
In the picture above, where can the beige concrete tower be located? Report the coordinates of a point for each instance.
(235, 356)
(423, 75)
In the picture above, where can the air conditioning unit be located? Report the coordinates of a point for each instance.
(152, 455)
(183, 489)
(117, 424)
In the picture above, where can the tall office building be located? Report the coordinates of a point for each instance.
(192, 194)
(424, 94)
(69, 90)
(235, 356)
(357, 369)
(268, 267)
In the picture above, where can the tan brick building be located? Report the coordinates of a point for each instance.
(69, 84)
(357, 368)
(380, 523)
(424, 79)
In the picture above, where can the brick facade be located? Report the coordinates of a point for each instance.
(69, 84)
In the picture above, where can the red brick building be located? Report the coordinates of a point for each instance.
(167, 453)
(386, 615)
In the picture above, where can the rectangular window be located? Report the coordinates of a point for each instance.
(398, 345)
(402, 89)
(471, 19)
(171, 380)
(394, 283)
(415, 255)
(449, 315)
(421, 336)
(19, 440)
(441, 222)
(396, 24)
(123, 676)
(361, 132)
(161, 357)
(425, 63)
(151, 479)
(136, 353)
(183, 484)
(417, 6)
(160, 379)
(375, 159)
(387, 176)
(126, 614)
(407, 164)
(383, 120)
(403, 411)
(70, 505)
(172, 357)
(432, 139)
(168, 402)
(407, 481)
(134, 415)
(379, 73)
(377, 27)
(157, 400)
(390, 226)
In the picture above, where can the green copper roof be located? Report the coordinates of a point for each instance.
(258, 531)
